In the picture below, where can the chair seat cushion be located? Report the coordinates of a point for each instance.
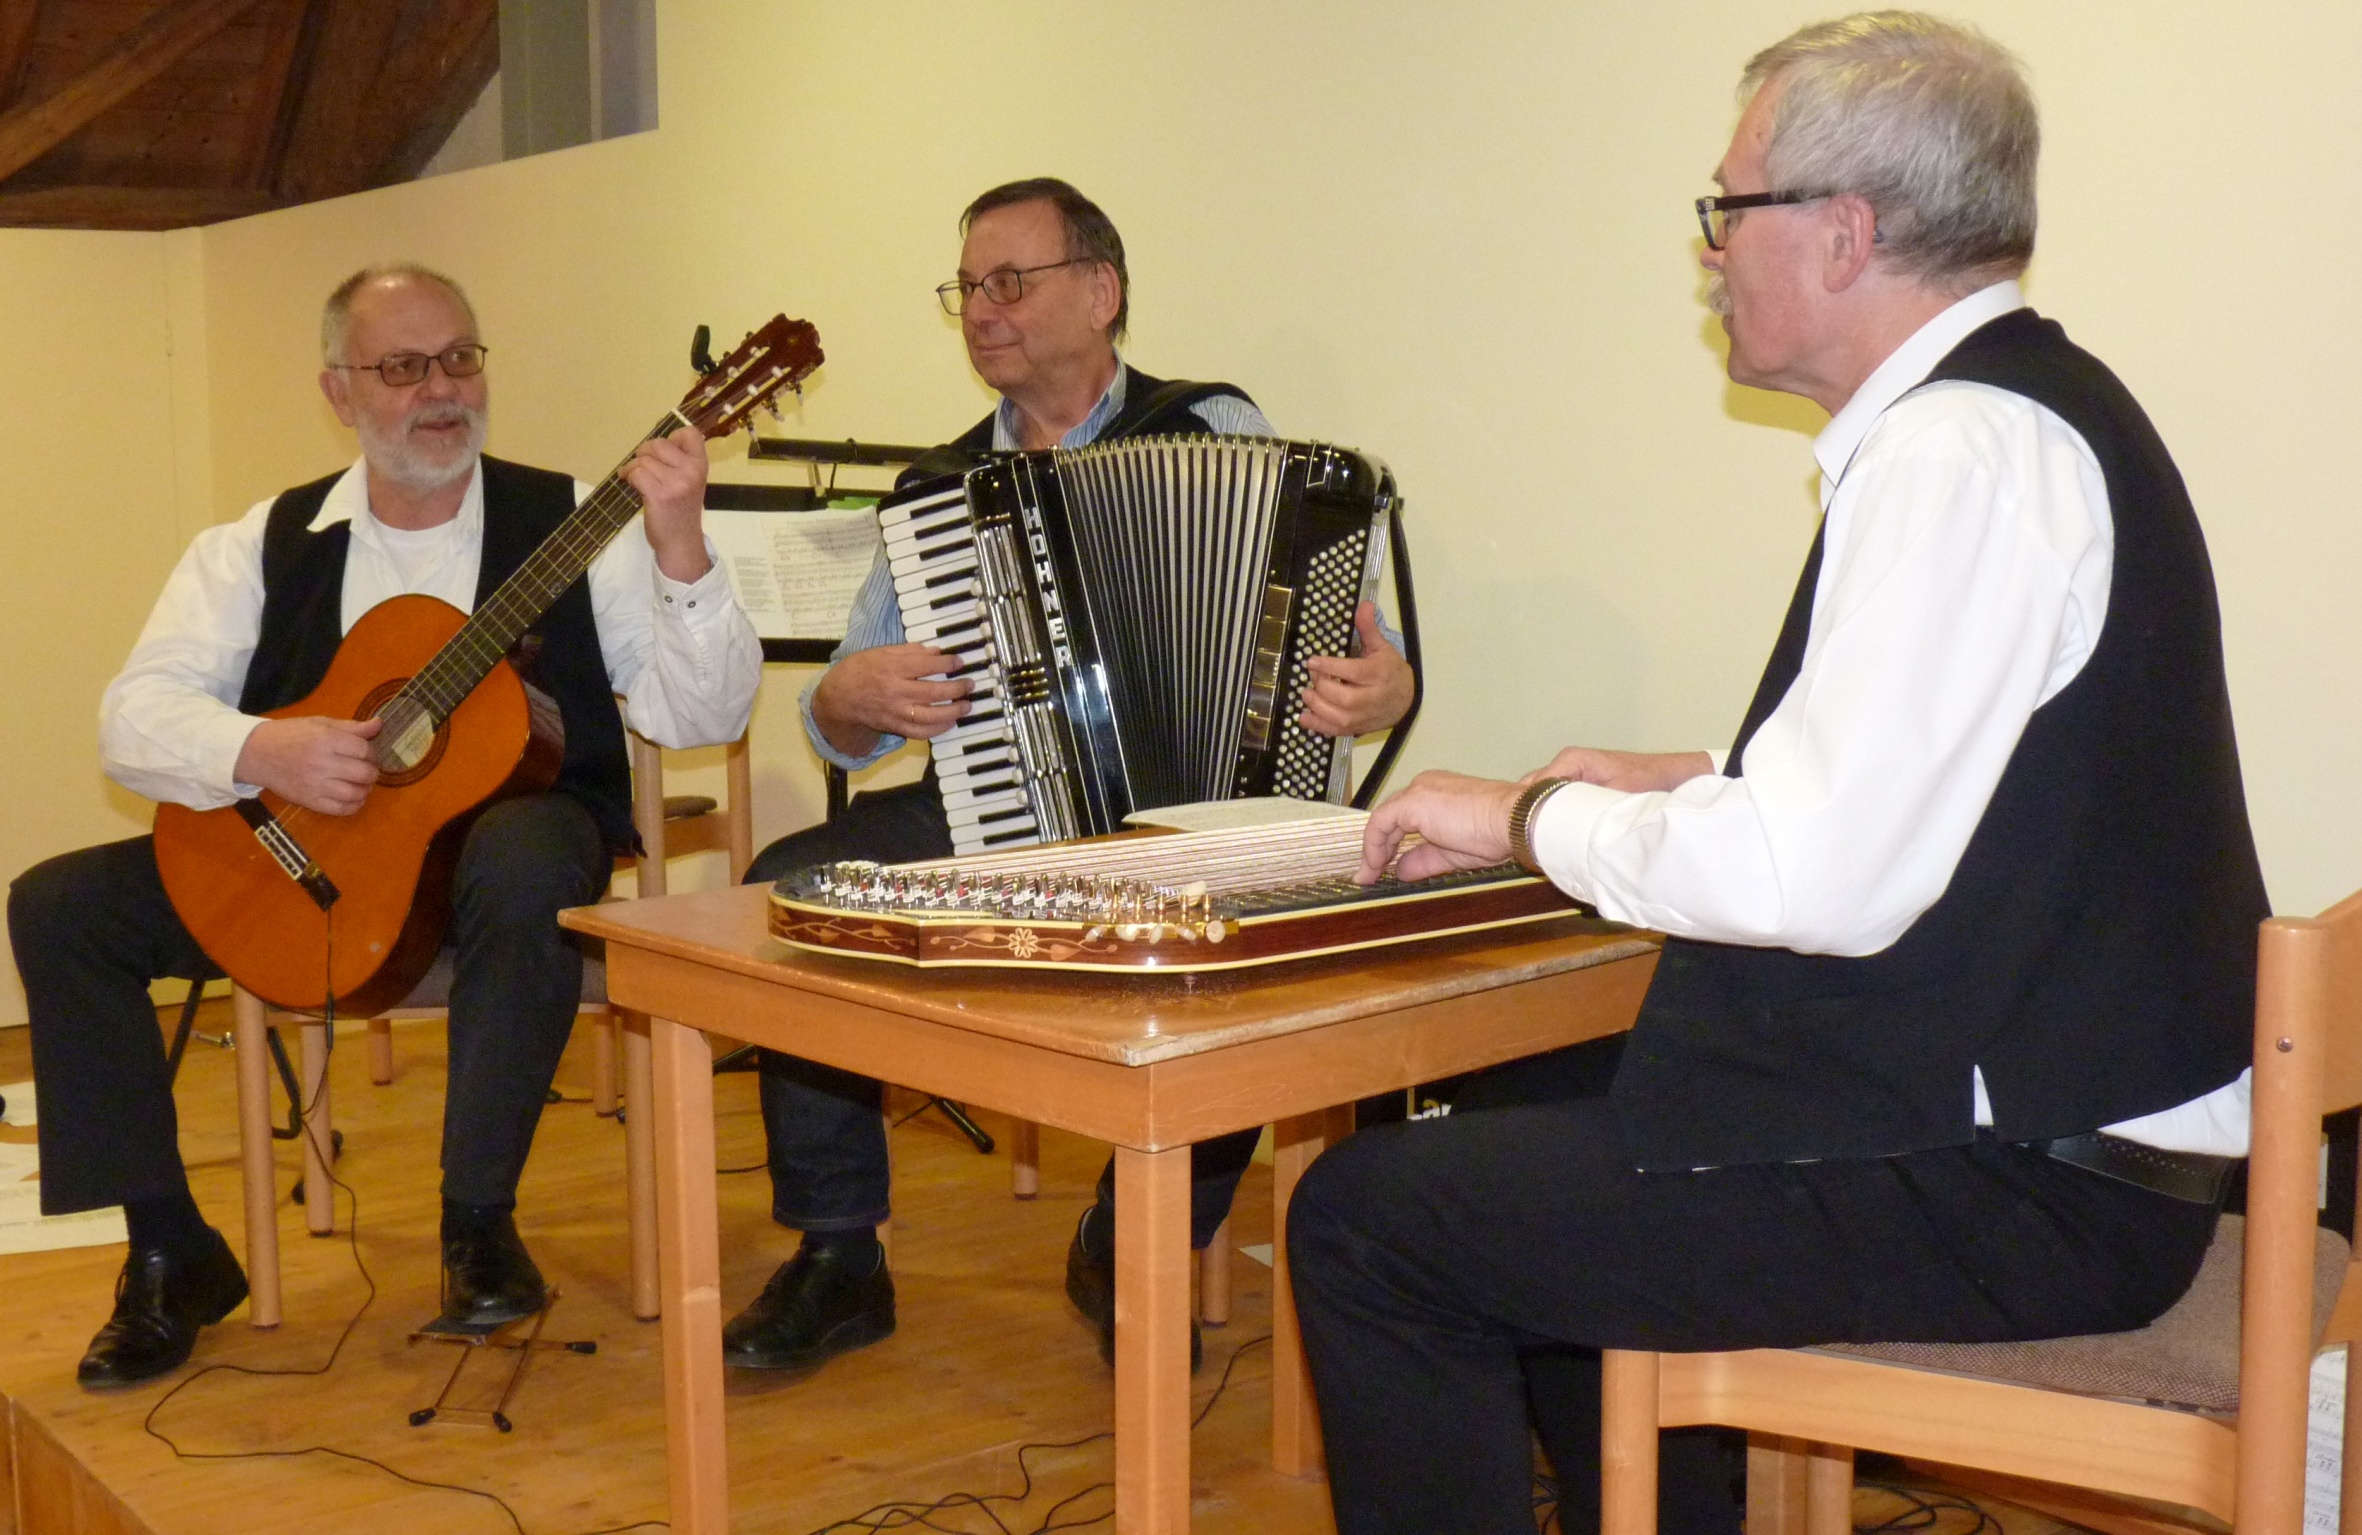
(2189, 1357)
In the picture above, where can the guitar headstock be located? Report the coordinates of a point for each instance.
(777, 357)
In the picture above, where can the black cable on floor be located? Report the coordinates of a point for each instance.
(906, 1515)
(323, 1156)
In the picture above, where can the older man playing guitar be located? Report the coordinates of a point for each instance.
(248, 624)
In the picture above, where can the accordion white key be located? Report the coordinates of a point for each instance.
(1136, 617)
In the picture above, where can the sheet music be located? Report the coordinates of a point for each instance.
(2325, 1433)
(796, 573)
(1235, 814)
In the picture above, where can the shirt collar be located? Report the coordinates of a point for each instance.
(1086, 431)
(1904, 370)
(348, 501)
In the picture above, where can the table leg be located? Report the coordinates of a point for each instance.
(639, 1162)
(1151, 1341)
(690, 1262)
(1295, 1418)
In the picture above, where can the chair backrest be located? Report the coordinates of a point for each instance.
(2308, 1062)
(729, 828)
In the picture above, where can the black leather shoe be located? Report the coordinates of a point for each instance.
(489, 1281)
(812, 1310)
(1090, 1284)
(160, 1303)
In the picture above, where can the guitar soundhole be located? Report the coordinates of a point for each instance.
(408, 744)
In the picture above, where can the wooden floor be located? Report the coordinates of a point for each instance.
(989, 1356)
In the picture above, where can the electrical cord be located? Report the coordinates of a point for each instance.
(907, 1515)
(322, 1155)
(1925, 1511)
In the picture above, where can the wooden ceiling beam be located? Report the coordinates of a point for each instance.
(17, 22)
(276, 81)
(128, 207)
(354, 36)
(426, 87)
(138, 56)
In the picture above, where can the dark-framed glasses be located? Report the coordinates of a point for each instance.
(1714, 212)
(1003, 285)
(399, 370)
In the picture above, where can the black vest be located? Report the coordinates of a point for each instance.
(302, 625)
(2094, 952)
(1151, 406)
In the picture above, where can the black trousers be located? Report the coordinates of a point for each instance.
(826, 1143)
(1442, 1266)
(92, 928)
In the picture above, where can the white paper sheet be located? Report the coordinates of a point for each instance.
(2324, 1436)
(1232, 814)
(796, 573)
(24, 1229)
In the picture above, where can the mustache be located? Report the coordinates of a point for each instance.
(441, 413)
(1717, 295)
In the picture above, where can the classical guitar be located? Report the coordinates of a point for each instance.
(296, 905)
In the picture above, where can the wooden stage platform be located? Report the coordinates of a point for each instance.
(989, 1356)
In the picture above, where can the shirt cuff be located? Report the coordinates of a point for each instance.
(828, 753)
(1561, 832)
(218, 744)
(706, 600)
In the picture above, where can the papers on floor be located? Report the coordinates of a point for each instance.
(24, 1229)
(2325, 1427)
(796, 573)
(1234, 814)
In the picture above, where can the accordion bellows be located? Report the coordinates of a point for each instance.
(1136, 617)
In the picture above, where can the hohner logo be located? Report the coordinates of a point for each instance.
(1045, 577)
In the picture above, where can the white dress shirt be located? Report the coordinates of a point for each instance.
(1966, 555)
(684, 657)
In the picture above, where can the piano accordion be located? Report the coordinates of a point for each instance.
(1174, 902)
(1135, 617)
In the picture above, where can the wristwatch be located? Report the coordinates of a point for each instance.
(1521, 820)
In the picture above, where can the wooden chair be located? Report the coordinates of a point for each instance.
(2079, 1427)
(668, 828)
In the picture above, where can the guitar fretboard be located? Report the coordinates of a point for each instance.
(493, 630)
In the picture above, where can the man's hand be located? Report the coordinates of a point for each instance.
(318, 763)
(1631, 772)
(1368, 690)
(894, 690)
(669, 474)
(1465, 821)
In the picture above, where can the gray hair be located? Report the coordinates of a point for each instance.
(1930, 121)
(1090, 233)
(337, 313)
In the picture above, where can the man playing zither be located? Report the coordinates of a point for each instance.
(247, 623)
(1947, 1042)
(1042, 295)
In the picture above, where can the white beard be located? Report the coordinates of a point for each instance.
(413, 467)
(1717, 295)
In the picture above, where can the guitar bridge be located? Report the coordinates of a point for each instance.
(288, 854)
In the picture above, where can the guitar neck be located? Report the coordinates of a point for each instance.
(493, 630)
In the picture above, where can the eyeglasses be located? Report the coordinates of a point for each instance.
(1714, 212)
(400, 370)
(1004, 285)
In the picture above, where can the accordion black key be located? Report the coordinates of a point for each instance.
(1135, 617)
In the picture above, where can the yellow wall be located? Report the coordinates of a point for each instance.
(97, 462)
(1457, 236)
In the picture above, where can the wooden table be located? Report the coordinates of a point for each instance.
(1151, 1064)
